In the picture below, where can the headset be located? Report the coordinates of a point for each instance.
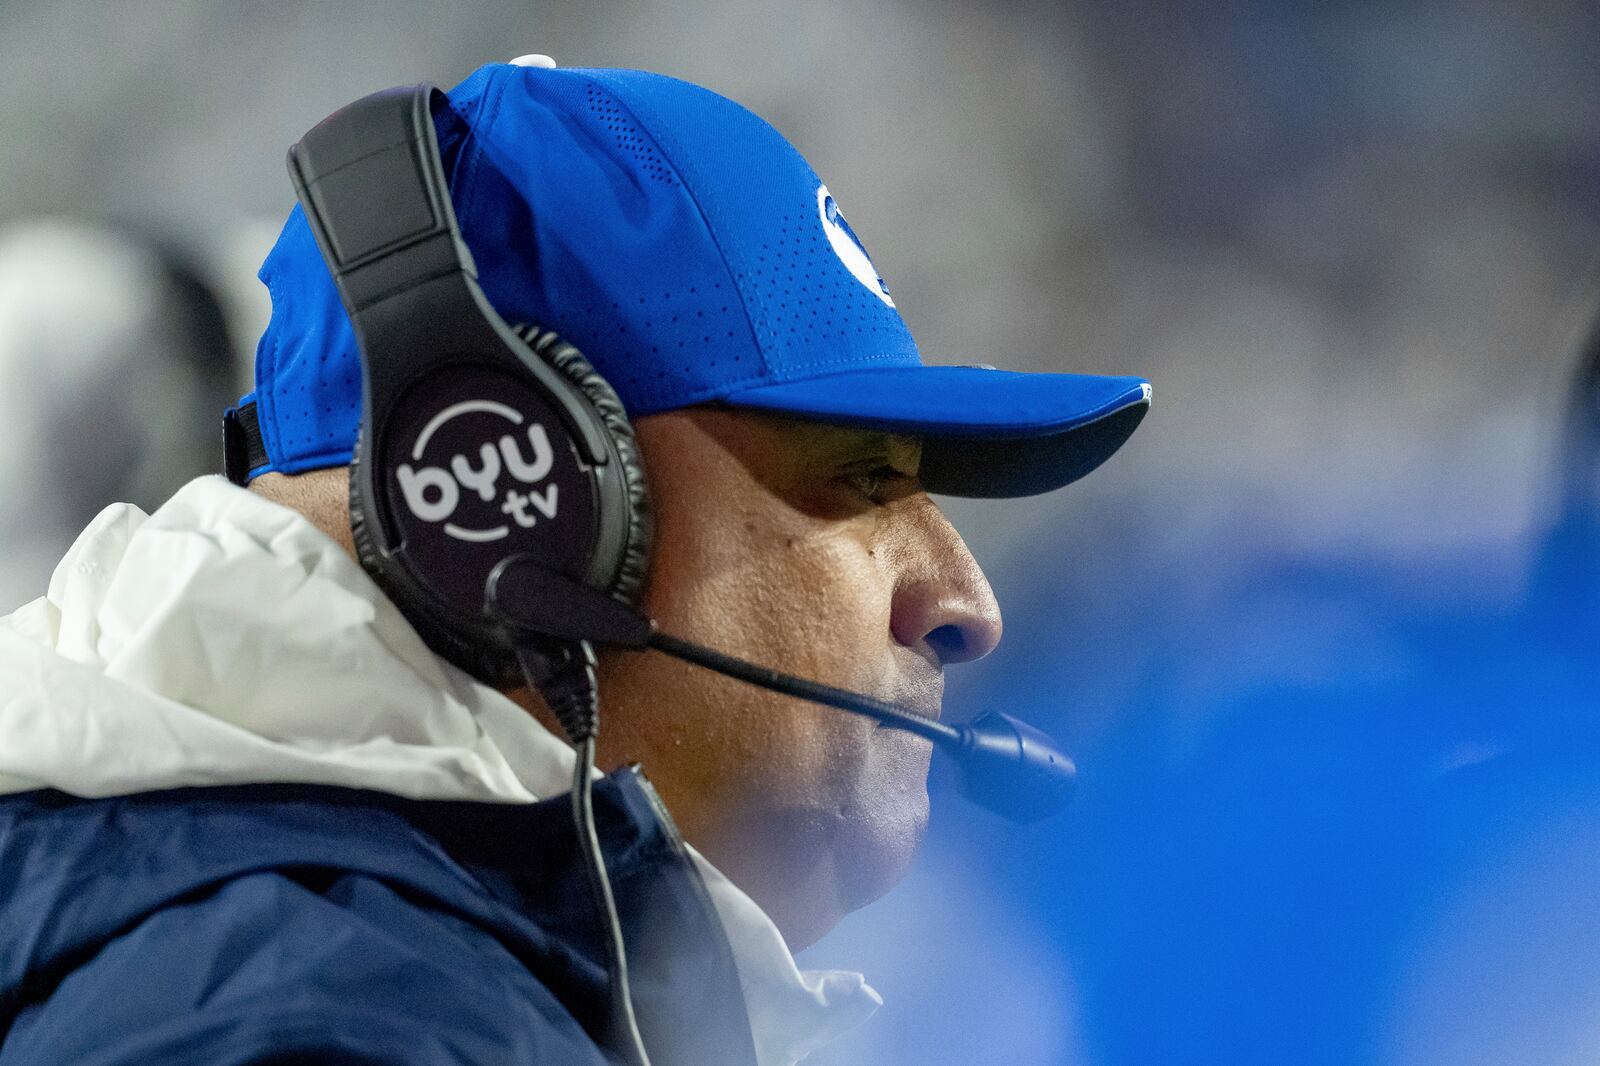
(457, 405)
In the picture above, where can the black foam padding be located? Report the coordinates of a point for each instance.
(572, 365)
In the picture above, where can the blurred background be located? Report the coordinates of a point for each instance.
(1322, 636)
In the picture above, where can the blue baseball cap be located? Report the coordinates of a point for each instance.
(694, 257)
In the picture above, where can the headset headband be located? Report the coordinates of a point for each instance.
(372, 185)
(474, 447)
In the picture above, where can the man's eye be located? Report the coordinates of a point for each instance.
(876, 484)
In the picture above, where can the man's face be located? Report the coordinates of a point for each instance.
(811, 549)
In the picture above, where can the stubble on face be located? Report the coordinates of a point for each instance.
(785, 543)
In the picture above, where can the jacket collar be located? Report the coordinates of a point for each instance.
(224, 640)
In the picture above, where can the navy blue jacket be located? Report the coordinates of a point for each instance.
(309, 924)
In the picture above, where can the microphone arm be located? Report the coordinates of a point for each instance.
(887, 713)
(1007, 765)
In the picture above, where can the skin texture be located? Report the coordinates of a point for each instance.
(812, 549)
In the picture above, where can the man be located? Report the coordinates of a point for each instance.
(254, 819)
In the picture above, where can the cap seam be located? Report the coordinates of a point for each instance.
(333, 457)
(972, 431)
(690, 176)
(266, 399)
(843, 359)
(691, 188)
(472, 146)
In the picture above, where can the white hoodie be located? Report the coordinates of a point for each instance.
(225, 640)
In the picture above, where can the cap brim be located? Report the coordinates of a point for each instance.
(986, 433)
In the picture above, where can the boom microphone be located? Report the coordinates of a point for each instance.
(1007, 766)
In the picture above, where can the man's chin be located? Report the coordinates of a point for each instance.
(882, 827)
(831, 863)
(873, 853)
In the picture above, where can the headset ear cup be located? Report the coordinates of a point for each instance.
(360, 528)
(572, 365)
(484, 662)
(487, 659)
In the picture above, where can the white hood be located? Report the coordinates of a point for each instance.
(225, 640)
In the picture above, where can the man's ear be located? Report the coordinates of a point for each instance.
(322, 496)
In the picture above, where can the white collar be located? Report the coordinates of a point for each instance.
(225, 640)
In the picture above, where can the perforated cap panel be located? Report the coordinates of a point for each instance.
(627, 134)
(675, 238)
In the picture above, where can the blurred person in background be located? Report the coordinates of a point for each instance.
(114, 358)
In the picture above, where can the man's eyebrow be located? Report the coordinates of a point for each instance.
(871, 445)
(866, 441)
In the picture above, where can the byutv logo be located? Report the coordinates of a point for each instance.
(434, 493)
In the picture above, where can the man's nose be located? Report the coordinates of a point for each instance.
(943, 601)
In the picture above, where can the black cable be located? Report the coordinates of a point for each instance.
(572, 694)
(624, 1032)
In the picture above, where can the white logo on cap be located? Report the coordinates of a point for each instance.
(847, 246)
